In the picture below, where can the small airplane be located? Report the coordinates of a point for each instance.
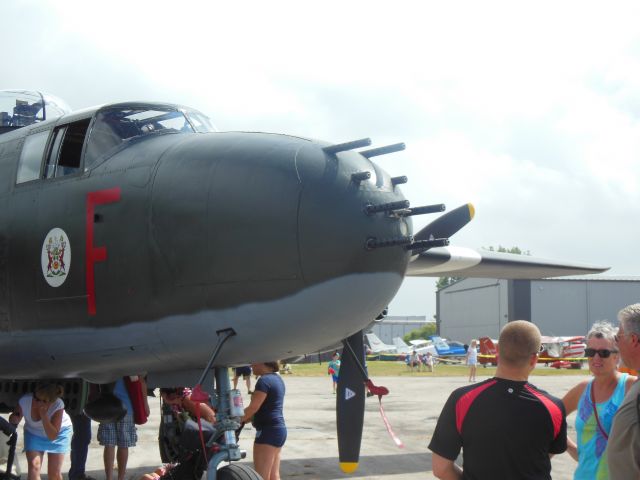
(134, 237)
(399, 350)
(438, 347)
(488, 351)
(375, 345)
(444, 349)
(563, 352)
(417, 343)
(558, 352)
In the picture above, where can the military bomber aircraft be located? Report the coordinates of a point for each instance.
(136, 238)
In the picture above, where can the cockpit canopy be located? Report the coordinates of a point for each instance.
(77, 142)
(20, 108)
(114, 125)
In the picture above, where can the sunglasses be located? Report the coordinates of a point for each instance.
(603, 352)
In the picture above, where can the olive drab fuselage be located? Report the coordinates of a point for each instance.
(171, 235)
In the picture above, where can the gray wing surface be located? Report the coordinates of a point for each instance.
(467, 262)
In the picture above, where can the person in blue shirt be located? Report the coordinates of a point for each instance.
(265, 412)
(596, 401)
(334, 369)
(121, 434)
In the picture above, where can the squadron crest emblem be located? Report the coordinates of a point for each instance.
(56, 257)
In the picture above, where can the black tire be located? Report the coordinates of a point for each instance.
(168, 452)
(237, 471)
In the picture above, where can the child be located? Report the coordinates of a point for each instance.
(428, 361)
(334, 369)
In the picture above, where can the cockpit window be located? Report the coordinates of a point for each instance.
(200, 122)
(113, 127)
(20, 108)
(65, 152)
(31, 156)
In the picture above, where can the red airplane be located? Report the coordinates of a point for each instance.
(558, 352)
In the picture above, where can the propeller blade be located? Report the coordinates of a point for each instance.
(350, 404)
(447, 224)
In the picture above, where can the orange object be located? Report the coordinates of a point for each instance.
(630, 371)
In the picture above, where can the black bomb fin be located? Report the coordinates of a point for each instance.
(350, 403)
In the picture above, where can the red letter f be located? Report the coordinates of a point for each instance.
(95, 254)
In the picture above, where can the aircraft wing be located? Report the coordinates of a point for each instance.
(467, 262)
(546, 339)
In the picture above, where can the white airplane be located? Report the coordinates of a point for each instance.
(421, 346)
(378, 346)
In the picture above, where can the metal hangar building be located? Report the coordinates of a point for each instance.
(476, 307)
(397, 326)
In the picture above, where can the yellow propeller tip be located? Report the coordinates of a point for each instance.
(348, 467)
(472, 210)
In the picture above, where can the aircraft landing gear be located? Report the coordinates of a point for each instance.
(9, 430)
(220, 439)
(226, 427)
(238, 471)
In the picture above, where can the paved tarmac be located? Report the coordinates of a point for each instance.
(311, 451)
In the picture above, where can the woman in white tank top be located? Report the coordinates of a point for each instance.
(472, 359)
(47, 429)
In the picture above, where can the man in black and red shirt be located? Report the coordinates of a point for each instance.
(506, 427)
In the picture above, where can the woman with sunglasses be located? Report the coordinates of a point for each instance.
(596, 401)
(47, 429)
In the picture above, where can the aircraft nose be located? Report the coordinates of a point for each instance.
(276, 213)
(225, 211)
(348, 216)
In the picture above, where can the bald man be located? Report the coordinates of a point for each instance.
(506, 427)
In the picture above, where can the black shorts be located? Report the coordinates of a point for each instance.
(274, 436)
(244, 371)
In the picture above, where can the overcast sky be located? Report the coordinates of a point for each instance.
(532, 113)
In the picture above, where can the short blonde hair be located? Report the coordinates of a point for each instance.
(518, 340)
(49, 392)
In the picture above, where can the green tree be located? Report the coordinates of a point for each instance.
(502, 249)
(421, 333)
(446, 281)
